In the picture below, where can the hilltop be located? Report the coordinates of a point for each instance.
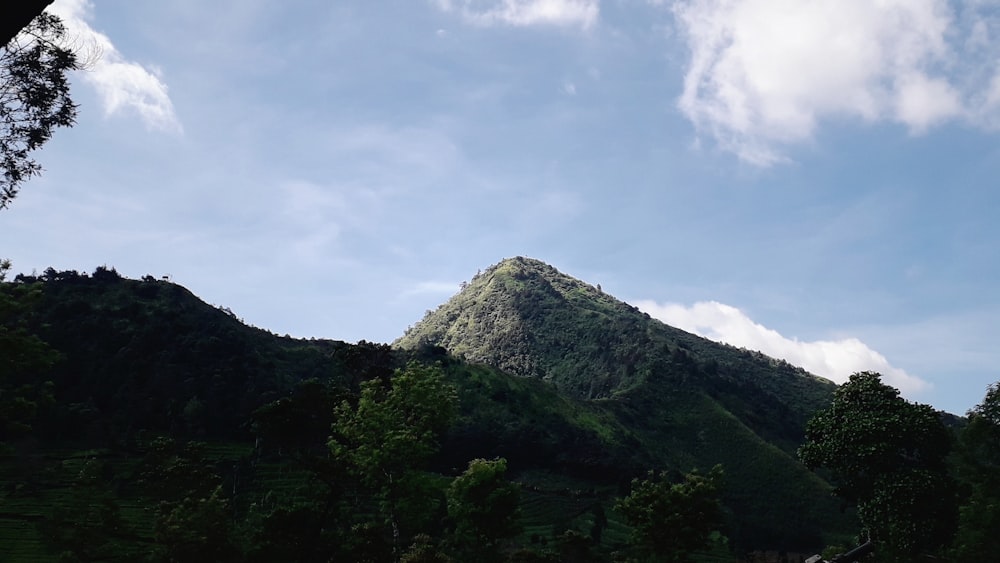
(684, 400)
(526, 318)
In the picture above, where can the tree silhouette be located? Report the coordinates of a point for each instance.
(34, 98)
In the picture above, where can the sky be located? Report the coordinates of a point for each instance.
(813, 179)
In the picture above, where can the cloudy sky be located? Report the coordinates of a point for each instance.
(814, 179)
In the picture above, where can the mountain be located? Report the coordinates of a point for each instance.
(685, 401)
(586, 393)
(528, 319)
(149, 356)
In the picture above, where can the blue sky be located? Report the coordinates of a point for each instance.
(816, 180)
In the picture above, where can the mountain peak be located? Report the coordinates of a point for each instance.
(527, 318)
(524, 265)
(521, 268)
(523, 274)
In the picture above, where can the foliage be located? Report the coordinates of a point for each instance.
(386, 437)
(888, 456)
(34, 98)
(531, 424)
(159, 362)
(424, 550)
(306, 523)
(674, 398)
(670, 520)
(90, 527)
(391, 430)
(978, 463)
(26, 358)
(483, 506)
(192, 516)
(295, 424)
(196, 528)
(171, 471)
(528, 319)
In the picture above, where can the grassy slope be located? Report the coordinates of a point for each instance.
(529, 319)
(680, 400)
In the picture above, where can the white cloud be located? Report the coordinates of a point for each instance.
(123, 85)
(924, 101)
(569, 13)
(764, 73)
(833, 359)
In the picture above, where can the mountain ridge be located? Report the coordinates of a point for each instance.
(156, 359)
(526, 317)
(682, 400)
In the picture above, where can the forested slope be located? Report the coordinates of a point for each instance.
(139, 372)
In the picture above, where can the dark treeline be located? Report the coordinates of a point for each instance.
(165, 429)
(142, 424)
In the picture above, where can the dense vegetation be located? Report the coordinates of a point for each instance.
(685, 401)
(888, 456)
(527, 318)
(924, 491)
(141, 423)
(157, 427)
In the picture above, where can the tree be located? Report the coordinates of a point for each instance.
(296, 429)
(424, 550)
(193, 519)
(298, 426)
(195, 529)
(483, 506)
(888, 456)
(171, 471)
(978, 464)
(89, 524)
(670, 520)
(386, 438)
(24, 361)
(34, 98)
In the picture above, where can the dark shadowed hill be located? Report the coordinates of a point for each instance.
(149, 356)
(600, 393)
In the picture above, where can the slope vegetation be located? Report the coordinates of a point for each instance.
(590, 393)
(682, 400)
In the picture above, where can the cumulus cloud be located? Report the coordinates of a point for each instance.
(764, 73)
(569, 13)
(834, 359)
(123, 85)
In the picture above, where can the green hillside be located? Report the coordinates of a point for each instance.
(684, 400)
(134, 361)
(527, 318)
